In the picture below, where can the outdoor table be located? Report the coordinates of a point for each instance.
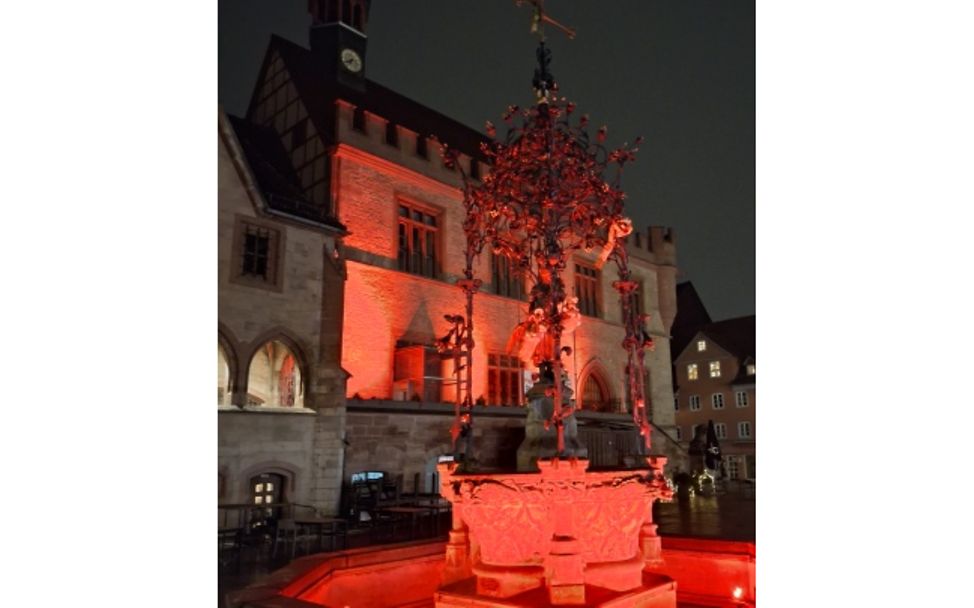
(335, 526)
(412, 512)
(434, 506)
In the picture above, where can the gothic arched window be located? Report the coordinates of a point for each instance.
(595, 394)
(274, 377)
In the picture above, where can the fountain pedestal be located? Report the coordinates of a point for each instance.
(561, 536)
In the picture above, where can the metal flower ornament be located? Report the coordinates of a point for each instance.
(552, 190)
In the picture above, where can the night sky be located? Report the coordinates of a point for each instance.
(678, 72)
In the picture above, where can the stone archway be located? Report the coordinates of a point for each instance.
(275, 377)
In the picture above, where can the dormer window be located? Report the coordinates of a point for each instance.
(750, 369)
(701, 346)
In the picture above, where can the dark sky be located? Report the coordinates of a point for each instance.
(678, 72)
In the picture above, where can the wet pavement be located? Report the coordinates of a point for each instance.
(729, 516)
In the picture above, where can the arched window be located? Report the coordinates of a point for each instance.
(222, 377)
(357, 17)
(595, 394)
(347, 12)
(274, 377)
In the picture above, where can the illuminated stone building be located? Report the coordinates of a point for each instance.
(334, 194)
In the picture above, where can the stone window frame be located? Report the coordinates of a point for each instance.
(720, 430)
(507, 367)
(588, 282)
(744, 430)
(717, 401)
(438, 215)
(738, 398)
(504, 281)
(275, 263)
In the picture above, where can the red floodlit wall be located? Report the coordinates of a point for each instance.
(384, 305)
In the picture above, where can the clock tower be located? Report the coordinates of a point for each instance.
(338, 39)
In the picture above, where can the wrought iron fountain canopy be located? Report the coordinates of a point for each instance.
(552, 190)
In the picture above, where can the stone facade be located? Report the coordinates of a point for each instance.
(298, 309)
(330, 317)
(385, 307)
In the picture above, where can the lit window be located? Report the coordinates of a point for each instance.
(701, 345)
(679, 435)
(721, 430)
(715, 369)
(741, 398)
(717, 400)
(692, 371)
(694, 403)
(504, 380)
(418, 235)
(744, 430)
(587, 289)
(274, 378)
(750, 369)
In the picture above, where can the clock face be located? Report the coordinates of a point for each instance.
(351, 60)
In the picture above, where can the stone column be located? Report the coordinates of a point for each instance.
(564, 565)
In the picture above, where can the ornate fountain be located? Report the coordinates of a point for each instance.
(551, 532)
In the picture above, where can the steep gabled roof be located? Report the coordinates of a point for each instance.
(275, 175)
(691, 316)
(319, 95)
(736, 336)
